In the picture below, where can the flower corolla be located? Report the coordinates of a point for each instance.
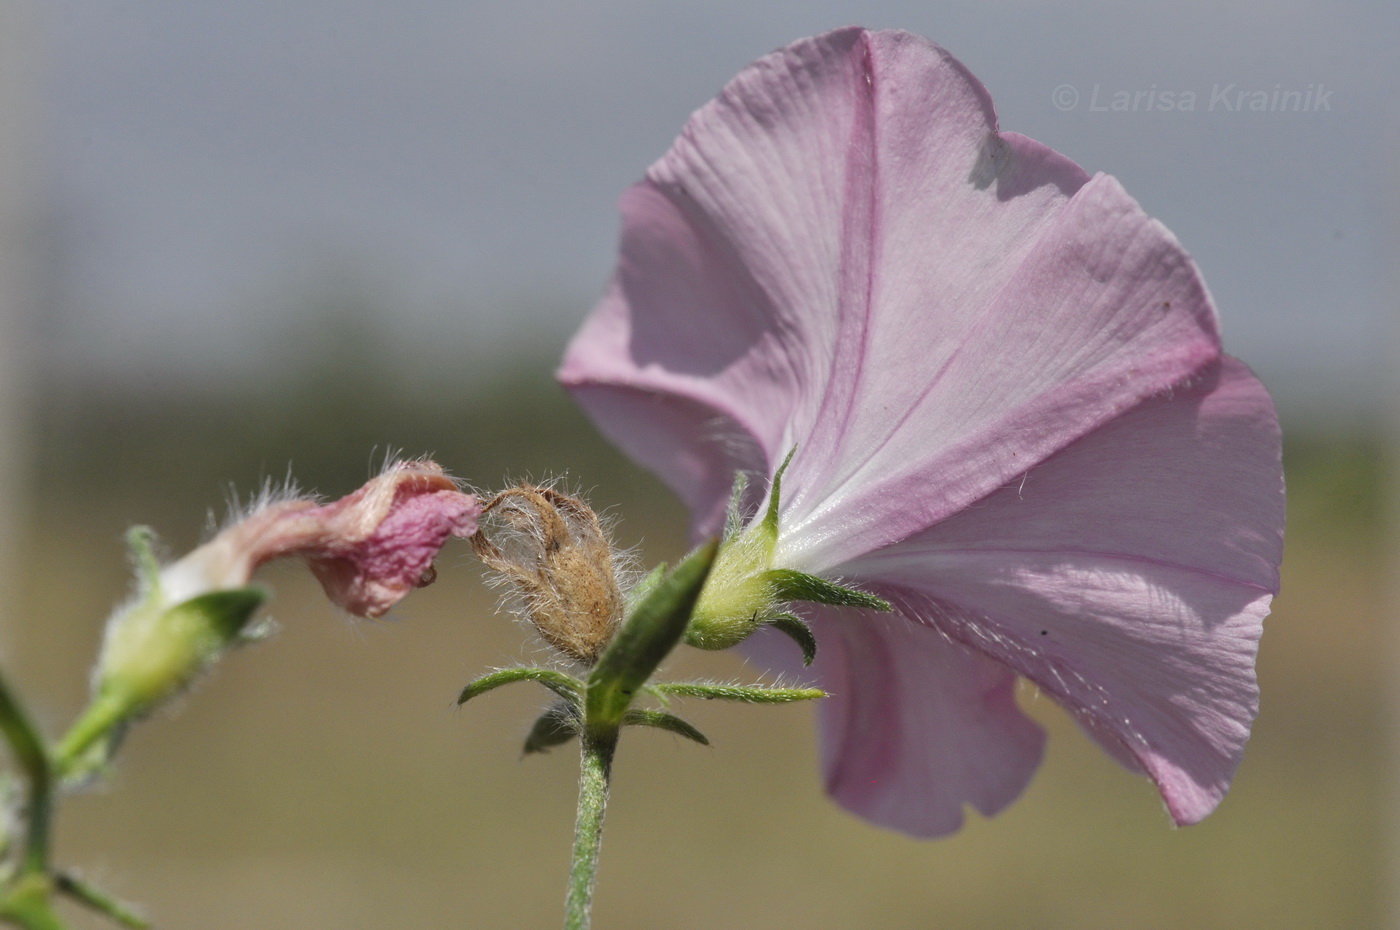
(1010, 412)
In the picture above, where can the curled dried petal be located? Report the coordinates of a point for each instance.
(368, 549)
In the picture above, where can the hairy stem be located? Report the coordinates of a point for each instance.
(97, 721)
(595, 773)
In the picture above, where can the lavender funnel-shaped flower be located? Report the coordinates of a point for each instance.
(1011, 415)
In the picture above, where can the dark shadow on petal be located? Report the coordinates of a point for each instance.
(1017, 165)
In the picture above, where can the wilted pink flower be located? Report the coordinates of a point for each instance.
(1011, 417)
(368, 549)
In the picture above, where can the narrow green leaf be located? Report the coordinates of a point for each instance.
(566, 686)
(100, 901)
(647, 636)
(644, 587)
(796, 629)
(750, 694)
(555, 727)
(663, 721)
(655, 693)
(791, 585)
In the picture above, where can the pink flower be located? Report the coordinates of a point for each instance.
(1011, 416)
(368, 549)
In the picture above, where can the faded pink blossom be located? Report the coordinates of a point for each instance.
(1011, 416)
(368, 549)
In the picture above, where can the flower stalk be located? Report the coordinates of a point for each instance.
(631, 658)
(595, 777)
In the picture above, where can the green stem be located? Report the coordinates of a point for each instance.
(33, 757)
(97, 721)
(595, 773)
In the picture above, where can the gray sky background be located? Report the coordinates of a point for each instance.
(207, 164)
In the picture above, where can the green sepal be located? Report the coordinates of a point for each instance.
(770, 519)
(664, 721)
(141, 542)
(98, 900)
(791, 585)
(567, 687)
(151, 656)
(647, 636)
(224, 613)
(555, 727)
(796, 629)
(751, 694)
(734, 514)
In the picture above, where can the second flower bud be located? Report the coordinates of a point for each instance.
(553, 552)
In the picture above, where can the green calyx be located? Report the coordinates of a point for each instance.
(152, 651)
(745, 590)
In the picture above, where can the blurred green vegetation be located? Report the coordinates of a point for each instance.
(325, 778)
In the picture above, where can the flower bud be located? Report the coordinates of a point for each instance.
(554, 554)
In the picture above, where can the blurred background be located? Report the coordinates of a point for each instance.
(243, 239)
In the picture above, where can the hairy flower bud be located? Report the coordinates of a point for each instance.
(554, 554)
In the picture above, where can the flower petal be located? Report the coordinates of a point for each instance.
(378, 544)
(731, 272)
(369, 575)
(917, 726)
(694, 449)
(1083, 576)
(1105, 311)
(842, 254)
(369, 549)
